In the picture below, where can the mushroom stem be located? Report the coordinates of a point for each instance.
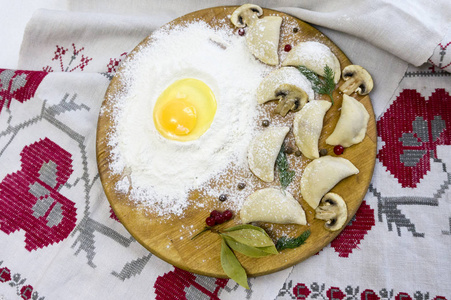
(323, 214)
(350, 85)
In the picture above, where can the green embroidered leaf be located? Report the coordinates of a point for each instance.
(250, 237)
(285, 174)
(325, 86)
(232, 266)
(291, 243)
(248, 250)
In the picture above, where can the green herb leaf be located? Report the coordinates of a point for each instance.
(291, 243)
(250, 237)
(285, 174)
(232, 266)
(248, 250)
(246, 226)
(325, 86)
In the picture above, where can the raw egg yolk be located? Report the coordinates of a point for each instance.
(185, 110)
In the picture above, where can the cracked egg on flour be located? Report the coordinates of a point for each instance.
(187, 114)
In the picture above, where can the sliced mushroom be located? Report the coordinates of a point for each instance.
(246, 14)
(333, 210)
(357, 79)
(290, 97)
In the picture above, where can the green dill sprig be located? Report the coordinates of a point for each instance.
(285, 174)
(291, 243)
(324, 86)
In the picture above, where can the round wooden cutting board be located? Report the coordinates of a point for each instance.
(170, 238)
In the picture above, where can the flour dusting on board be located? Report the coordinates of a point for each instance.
(158, 172)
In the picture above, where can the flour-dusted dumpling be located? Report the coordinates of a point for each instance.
(273, 206)
(262, 39)
(266, 91)
(307, 126)
(321, 175)
(352, 124)
(314, 56)
(263, 151)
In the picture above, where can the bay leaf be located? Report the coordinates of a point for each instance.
(245, 226)
(249, 250)
(250, 237)
(232, 266)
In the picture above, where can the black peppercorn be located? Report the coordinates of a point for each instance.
(297, 153)
(241, 185)
(295, 29)
(265, 123)
(323, 152)
(223, 197)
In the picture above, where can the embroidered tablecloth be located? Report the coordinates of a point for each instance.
(59, 238)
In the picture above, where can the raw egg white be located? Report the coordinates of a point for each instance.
(185, 110)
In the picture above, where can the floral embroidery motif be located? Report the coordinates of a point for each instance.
(18, 85)
(69, 61)
(30, 199)
(188, 286)
(16, 281)
(316, 291)
(412, 128)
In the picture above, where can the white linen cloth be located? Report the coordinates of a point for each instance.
(384, 255)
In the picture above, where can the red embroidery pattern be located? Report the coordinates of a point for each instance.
(316, 291)
(355, 231)
(412, 128)
(181, 284)
(18, 85)
(16, 281)
(30, 198)
(67, 59)
(114, 63)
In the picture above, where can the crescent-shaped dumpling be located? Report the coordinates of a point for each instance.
(321, 175)
(273, 206)
(352, 124)
(314, 56)
(307, 126)
(262, 39)
(286, 75)
(263, 151)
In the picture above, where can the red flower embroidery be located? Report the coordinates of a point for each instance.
(355, 231)
(412, 128)
(187, 286)
(335, 293)
(18, 85)
(403, 296)
(369, 295)
(5, 275)
(26, 291)
(301, 291)
(65, 62)
(30, 199)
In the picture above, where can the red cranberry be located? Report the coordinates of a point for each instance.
(219, 219)
(287, 48)
(214, 213)
(338, 150)
(210, 221)
(227, 215)
(241, 31)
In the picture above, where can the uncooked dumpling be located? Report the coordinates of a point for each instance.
(352, 124)
(321, 175)
(273, 206)
(262, 39)
(286, 75)
(314, 56)
(263, 151)
(307, 126)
